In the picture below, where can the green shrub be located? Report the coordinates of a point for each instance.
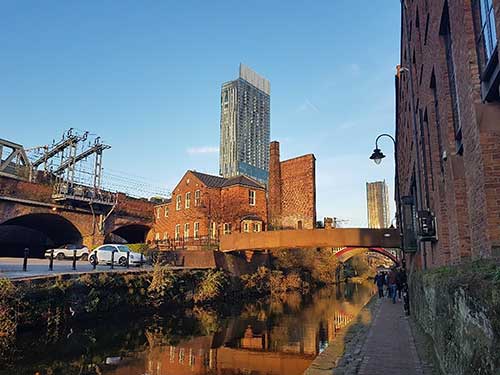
(212, 286)
(162, 284)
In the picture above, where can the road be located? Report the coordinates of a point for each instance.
(13, 267)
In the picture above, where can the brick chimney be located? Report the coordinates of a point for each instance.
(274, 191)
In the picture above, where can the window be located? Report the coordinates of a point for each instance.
(157, 236)
(488, 37)
(157, 213)
(214, 230)
(251, 197)
(227, 228)
(178, 203)
(166, 211)
(177, 231)
(246, 227)
(186, 230)
(197, 198)
(256, 227)
(188, 200)
(196, 230)
(445, 32)
(165, 235)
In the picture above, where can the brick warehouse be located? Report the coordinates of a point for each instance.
(448, 130)
(204, 206)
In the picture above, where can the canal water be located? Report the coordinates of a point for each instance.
(279, 336)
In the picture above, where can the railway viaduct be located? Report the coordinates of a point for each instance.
(33, 216)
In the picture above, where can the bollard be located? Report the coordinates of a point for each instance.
(128, 259)
(113, 259)
(74, 260)
(142, 260)
(25, 260)
(94, 261)
(51, 260)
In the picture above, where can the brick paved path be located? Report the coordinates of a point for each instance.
(389, 346)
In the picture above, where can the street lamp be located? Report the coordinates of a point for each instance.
(378, 155)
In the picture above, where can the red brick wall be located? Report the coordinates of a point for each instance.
(298, 191)
(209, 206)
(274, 186)
(462, 190)
(235, 205)
(292, 191)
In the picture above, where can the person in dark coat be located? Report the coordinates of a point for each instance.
(392, 284)
(380, 281)
(400, 281)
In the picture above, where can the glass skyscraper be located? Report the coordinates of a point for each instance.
(245, 126)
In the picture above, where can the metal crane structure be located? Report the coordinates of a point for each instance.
(59, 163)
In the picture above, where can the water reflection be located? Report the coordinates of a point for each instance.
(281, 336)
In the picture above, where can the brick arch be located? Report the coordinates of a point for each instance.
(130, 233)
(37, 231)
(348, 252)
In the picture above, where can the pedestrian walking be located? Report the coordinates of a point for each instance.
(392, 284)
(400, 281)
(380, 281)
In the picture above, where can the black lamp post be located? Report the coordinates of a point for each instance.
(377, 157)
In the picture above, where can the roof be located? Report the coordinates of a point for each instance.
(219, 182)
(210, 180)
(242, 180)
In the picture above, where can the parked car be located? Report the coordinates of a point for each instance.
(67, 251)
(103, 253)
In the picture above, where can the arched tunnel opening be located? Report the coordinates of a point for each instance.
(37, 232)
(133, 233)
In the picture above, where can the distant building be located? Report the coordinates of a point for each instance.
(204, 207)
(377, 199)
(245, 126)
(292, 191)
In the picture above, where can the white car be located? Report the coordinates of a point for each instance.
(103, 253)
(67, 251)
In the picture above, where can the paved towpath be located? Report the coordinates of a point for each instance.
(379, 341)
(390, 347)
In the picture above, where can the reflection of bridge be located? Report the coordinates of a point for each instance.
(30, 216)
(352, 241)
(346, 253)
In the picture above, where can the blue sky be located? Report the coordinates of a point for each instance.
(146, 76)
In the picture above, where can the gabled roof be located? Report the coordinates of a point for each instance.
(219, 182)
(242, 180)
(210, 180)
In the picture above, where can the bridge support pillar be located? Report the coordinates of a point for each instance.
(91, 241)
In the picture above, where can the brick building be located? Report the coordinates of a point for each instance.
(292, 191)
(448, 130)
(203, 207)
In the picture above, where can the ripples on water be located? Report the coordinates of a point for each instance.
(280, 336)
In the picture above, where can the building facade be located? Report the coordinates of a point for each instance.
(377, 202)
(203, 207)
(292, 191)
(245, 126)
(448, 131)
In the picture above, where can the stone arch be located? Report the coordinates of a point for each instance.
(348, 252)
(38, 232)
(130, 233)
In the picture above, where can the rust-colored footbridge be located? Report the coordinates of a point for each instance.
(312, 238)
